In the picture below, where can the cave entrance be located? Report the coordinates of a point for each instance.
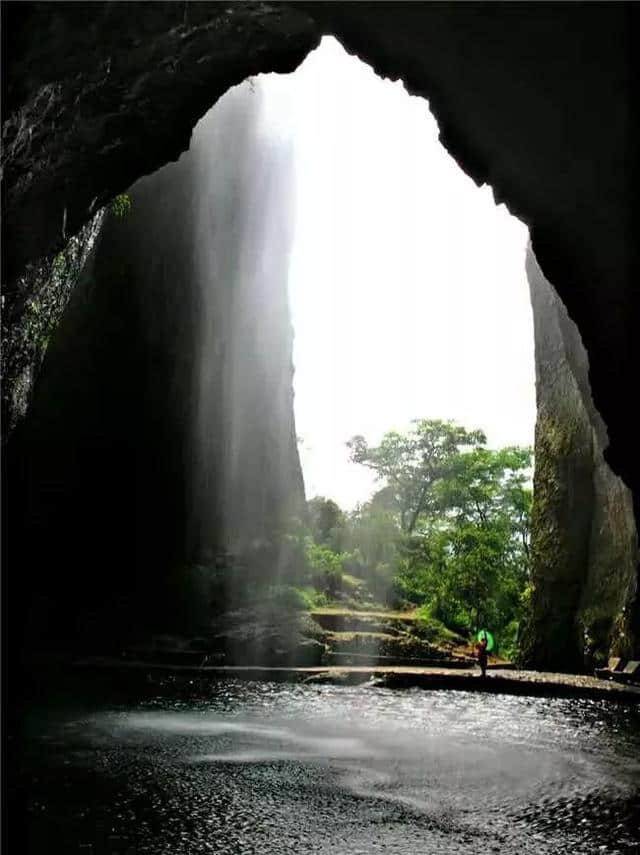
(409, 301)
(407, 282)
(163, 425)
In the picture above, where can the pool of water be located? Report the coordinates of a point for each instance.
(271, 768)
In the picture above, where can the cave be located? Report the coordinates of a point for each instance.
(527, 100)
(100, 101)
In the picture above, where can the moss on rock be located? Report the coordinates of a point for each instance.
(584, 552)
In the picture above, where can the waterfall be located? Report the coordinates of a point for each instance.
(222, 216)
(242, 183)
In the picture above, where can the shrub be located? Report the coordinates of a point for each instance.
(429, 626)
(285, 597)
(121, 205)
(312, 598)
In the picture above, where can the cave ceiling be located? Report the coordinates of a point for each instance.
(535, 99)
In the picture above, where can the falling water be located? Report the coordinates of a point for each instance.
(219, 221)
(241, 184)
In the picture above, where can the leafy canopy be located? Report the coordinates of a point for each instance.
(412, 464)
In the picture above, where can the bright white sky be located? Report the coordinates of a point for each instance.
(407, 283)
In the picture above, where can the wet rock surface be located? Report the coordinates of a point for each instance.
(584, 544)
(250, 767)
(31, 312)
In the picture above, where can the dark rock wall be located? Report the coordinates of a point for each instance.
(161, 432)
(584, 545)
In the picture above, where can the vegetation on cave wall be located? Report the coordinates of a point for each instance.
(607, 602)
(584, 548)
(31, 313)
(556, 539)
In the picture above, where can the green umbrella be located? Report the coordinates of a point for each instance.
(483, 633)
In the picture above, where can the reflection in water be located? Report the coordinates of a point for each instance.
(271, 768)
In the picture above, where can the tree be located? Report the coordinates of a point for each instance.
(327, 522)
(482, 484)
(412, 464)
(462, 515)
(371, 538)
(488, 489)
(372, 532)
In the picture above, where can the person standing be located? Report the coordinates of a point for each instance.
(483, 655)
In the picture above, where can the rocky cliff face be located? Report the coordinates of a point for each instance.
(584, 544)
(161, 432)
(38, 301)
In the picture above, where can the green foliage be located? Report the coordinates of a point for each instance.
(412, 464)
(509, 641)
(372, 534)
(326, 567)
(327, 522)
(322, 559)
(430, 627)
(285, 598)
(450, 525)
(312, 598)
(121, 205)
